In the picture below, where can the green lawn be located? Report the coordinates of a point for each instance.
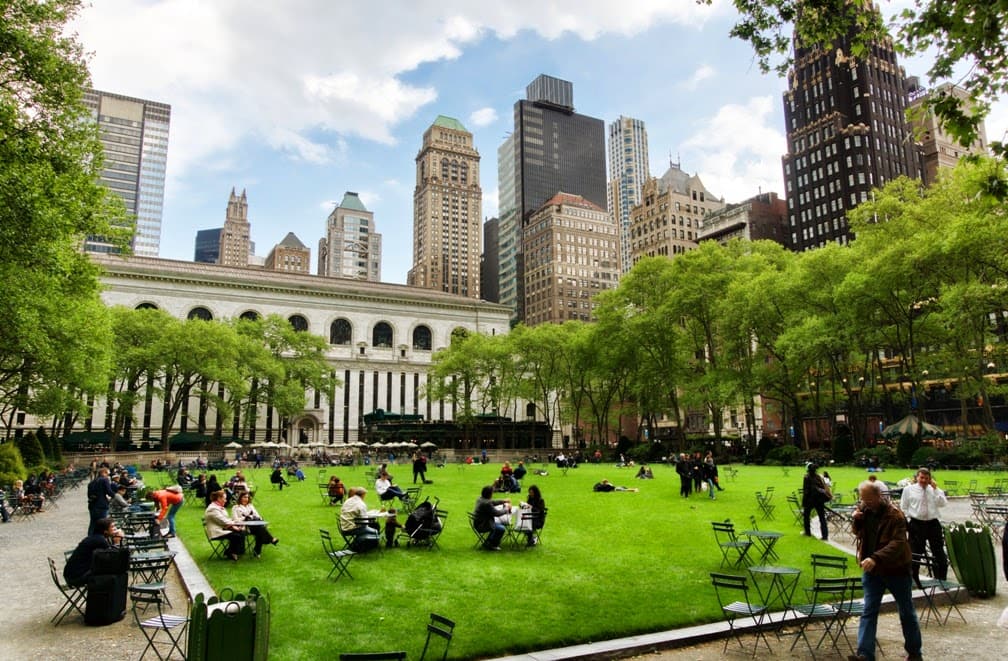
(610, 564)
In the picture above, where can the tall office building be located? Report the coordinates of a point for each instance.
(939, 150)
(628, 170)
(447, 211)
(554, 149)
(351, 248)
(489, 264)
(207, 247)
(508, 226)
(235, 243)
(846, 134)
(571, 254)
(134, 136)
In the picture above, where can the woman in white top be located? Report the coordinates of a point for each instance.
(244, 511)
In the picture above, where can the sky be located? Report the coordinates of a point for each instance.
(299, 101)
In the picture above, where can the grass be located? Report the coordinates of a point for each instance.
(610, 564)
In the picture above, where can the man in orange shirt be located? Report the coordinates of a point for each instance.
(168, 500)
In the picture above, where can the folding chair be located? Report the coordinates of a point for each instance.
(796, 509)
(481, 537)
(411, 499)
(149, 572)
(825, 592)
(340, 558)
(731, 546)
(218, 547)
(765, 506)
(853, 607)
(727, 586)
(931, 586)
(766, 540)
(373, 656)
(835, 566)
(441, 627)
(172, 626)
(74, 596)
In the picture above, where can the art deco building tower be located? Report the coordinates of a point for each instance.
(628, 170)
(447, 211)
(846, 134)
(351, 248)
(234, 238)
(134, 135)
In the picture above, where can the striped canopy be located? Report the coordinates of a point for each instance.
(912, 426)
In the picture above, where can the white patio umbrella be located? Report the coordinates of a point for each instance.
(234, 445)
(428, 444)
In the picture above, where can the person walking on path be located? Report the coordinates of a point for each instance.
(921, 502)
(883, 552)
(99, 493)
(815, 495)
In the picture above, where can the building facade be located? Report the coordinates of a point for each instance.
(508, 228)
(571, 254)
(489, 265)
(235, 242)
(939, 151)
(351, 247)
(554, 150)
(667, 222)
(846, 134)
(761, 217)
(206, 249)
(134, 136)
(381, 338)
(628, 170)
(289, 255)
(447, 211)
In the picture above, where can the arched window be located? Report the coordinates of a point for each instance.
(249, 315)
(146, 306)
(422, 338)
(340, 332)
(200, 312)
(382, 335)
(298, 323)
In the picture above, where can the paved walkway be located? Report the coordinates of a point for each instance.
(30, 599)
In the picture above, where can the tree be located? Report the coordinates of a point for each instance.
(969, 33)
(50, 198)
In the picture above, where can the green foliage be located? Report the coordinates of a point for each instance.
(969, 32)
(886, 455)
(924, 455)
(906, 446)
(12, 466)
(785, 455)
(31, 450)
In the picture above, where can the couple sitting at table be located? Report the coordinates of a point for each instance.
(357, 523)
(233, 528)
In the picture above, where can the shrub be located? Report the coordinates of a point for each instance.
(884, 454)
(11, 464)
(31, 450)
(843, 448)
(905, 449)
(817, 457)
(927, 454)
(787, 455)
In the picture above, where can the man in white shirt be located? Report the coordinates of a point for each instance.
(921, 502)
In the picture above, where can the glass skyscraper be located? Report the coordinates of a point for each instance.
(134, 135)
(628, 170)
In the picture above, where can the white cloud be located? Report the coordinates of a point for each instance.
(703, 73)
(370, 198)
(483, 117)
(490, 202)
(275, 71)
(737, 151)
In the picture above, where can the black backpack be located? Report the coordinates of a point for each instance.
(421, 517)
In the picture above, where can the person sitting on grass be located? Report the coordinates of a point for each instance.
(277, 478)
(606, 486)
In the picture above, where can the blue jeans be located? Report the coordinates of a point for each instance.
(496, 534)
(711, 487)
(899, 587)
(171, 516)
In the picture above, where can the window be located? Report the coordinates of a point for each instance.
(298, 323)
(381, 336)
(422, 338)
(340, 332)
(200, 313)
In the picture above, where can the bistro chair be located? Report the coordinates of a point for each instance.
(931, 587)
(340, 558)
(821, 610)
(73, 596)
(441, 627)
(481, 536)
(734, 550)
(766, 508)
(163, 629)
(218, 547)
(732, 593)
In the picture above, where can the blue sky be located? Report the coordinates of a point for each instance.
(301, 100)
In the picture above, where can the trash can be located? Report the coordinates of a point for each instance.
(231, 626)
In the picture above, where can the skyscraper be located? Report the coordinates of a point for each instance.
(939, 150)
(447, 211)
(134, 135)
(351, 248)
(289, 255)
(554, 150)
(235, 244)
(628, 170)
(207, 246)
(489, 265)
(846, 133)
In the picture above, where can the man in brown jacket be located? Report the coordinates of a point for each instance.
(884, 556)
